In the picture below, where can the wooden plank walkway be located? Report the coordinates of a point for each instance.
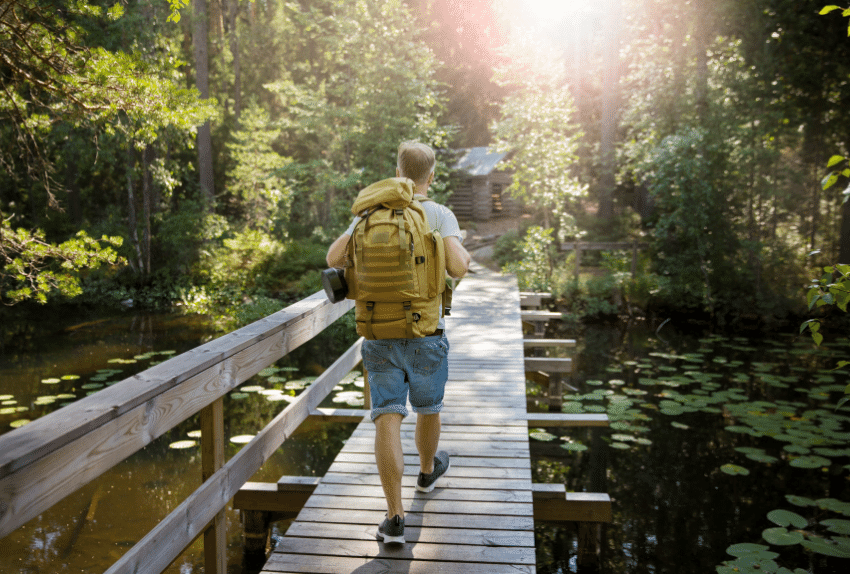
(480, 518)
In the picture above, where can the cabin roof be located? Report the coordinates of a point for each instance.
(478, 160)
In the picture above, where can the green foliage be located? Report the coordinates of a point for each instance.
(537, 128)
(33, 267)
(340, 135)
(508, 248)
(533, 270)
(833, 286)
(587, 299)
(260, 195)
(694, 244)
(58, 73)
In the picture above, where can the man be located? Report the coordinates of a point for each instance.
(418, 366)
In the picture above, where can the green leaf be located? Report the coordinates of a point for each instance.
(837, 525)
(734, 470)
(836, 158)
(829, 181)
(822, 546)
(739, 550)
(799, 500)
(787, 518)
(817, 338)
(781, 537)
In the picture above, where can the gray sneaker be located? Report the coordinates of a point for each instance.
(392, 531)
(425, 483)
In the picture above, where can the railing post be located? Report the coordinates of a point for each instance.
(212, 459)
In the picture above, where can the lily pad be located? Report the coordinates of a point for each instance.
(194, 434)
(238, 396)
(183, 444)
(834, 505)
(787, 518)
(252, 389)
(825, 547)
(574, 447)
(679, 425)
(837, 525)
(734, 470)
(70, 377)
(19, 423)
(542, 436)
(242, 439)
(746, 549)
(782, 537)
(762, 457)
(799, 500)
(620, 445)
(51, 381)
(810, 461)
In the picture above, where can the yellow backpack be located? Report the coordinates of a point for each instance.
(395, 264)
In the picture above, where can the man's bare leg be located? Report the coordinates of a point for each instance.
(390, 460)
(427, 440)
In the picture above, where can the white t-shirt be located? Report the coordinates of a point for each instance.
(440, 218)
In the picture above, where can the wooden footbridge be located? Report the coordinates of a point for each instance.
(479, 519)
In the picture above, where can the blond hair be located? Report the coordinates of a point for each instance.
(416, 161)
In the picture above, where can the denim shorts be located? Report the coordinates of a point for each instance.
(397, 367)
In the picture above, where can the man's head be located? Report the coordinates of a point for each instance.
(416, 161)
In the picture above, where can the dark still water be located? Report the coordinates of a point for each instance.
(715, 444)
(46, 362)
(724, 454)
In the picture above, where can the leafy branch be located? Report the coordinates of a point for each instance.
(32, 267)
(833, 287)
(831, 8)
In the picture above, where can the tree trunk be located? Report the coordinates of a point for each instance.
(200, 39)
(131, 211)
(233, 12)
(701, 37)
(610, 80)
(147, 200)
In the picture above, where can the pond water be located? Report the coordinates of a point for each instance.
(47, 361)
(722, 452)
(710, 436)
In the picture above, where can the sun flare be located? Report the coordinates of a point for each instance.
(550, 11)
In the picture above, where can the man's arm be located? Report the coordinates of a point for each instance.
(336, 252)
(457, 258)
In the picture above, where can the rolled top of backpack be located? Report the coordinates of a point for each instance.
(392, 193)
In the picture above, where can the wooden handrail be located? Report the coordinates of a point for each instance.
(52, 457)
(177, 531)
